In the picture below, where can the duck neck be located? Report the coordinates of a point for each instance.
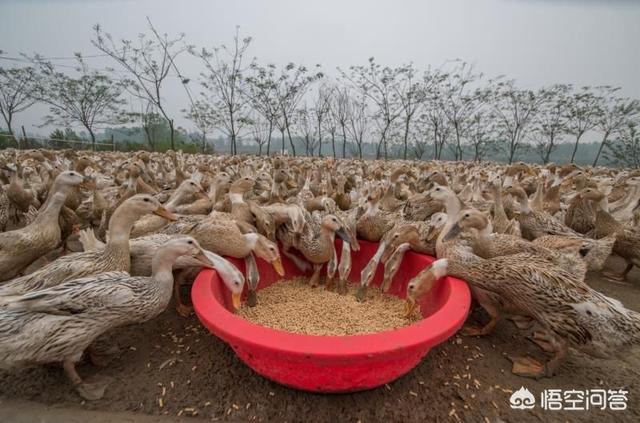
(452, 206)
(162, 265)
(120, 226)
(251, 239)
(524, 204)
(175, 200)
(51, 210)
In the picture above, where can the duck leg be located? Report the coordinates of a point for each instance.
(522, 322)
(489, 327)
(344, 268)
(331, 271)
(543, 340)
(179, 280)
(530, 367)
(253, 278)
(620, 277)
(91, 391)
(315, 278)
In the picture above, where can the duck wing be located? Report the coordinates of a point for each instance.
(78, 296)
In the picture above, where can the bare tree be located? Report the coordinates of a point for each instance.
(514, 109)
(411, 93)
(92, 99)
(550, 122)
(340, 107)
(581, 109)
(205, 118)
(321, 111)
(624, 150)
(261, 89)
(15, 92)
(479, 130)
(615, 112)
(459, 102)
(260, 133)
(224, 81)
(306, 125)
(436, 122)
(148, 62)
(358, 121)
(379, 85)
(292, 85)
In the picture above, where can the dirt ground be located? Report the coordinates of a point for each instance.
(174, 367)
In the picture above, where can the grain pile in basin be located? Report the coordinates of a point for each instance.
(294, 306)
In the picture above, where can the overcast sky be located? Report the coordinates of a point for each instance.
(536, 42)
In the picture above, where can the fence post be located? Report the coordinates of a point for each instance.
(24, 135)
(113, 144)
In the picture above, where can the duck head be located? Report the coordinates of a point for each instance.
(422, 283)
(268, 251)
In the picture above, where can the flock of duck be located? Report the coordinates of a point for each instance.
(93, 241)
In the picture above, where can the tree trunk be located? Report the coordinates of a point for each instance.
(93, 138)
(344, 141)
(458, 148)
(282, 132)
(293, 149)
(269, 138)
(204, 142)
(406, 137)
(319, 138)
(333, 143)
(435, 142)
(575, 147)
(233, 144)
(602, 144)
(172, 132)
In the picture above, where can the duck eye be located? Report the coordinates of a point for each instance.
(190, 242)
(147, 200)
(236, 283)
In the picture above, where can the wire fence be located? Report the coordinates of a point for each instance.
(25, 142)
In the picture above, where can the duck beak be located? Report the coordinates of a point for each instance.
(409, 306)
(343, 235)
(453, 232)
(277, 265)
(164, 213)
(235, 299)
(203, 259)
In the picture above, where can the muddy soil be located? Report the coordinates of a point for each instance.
(173, 366)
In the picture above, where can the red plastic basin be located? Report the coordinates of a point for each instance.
(334, 363)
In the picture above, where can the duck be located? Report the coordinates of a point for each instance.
(316, 242)
(487, 244)
(57, 324)
(142, 251)
(569, 312)
(20, 247)
(627, 238)
(153, 223)
(534, 224)
(114, 257)
(226, 238)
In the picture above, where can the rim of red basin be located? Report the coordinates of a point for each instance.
(431, 330)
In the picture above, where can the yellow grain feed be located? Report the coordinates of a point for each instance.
(293, 306)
